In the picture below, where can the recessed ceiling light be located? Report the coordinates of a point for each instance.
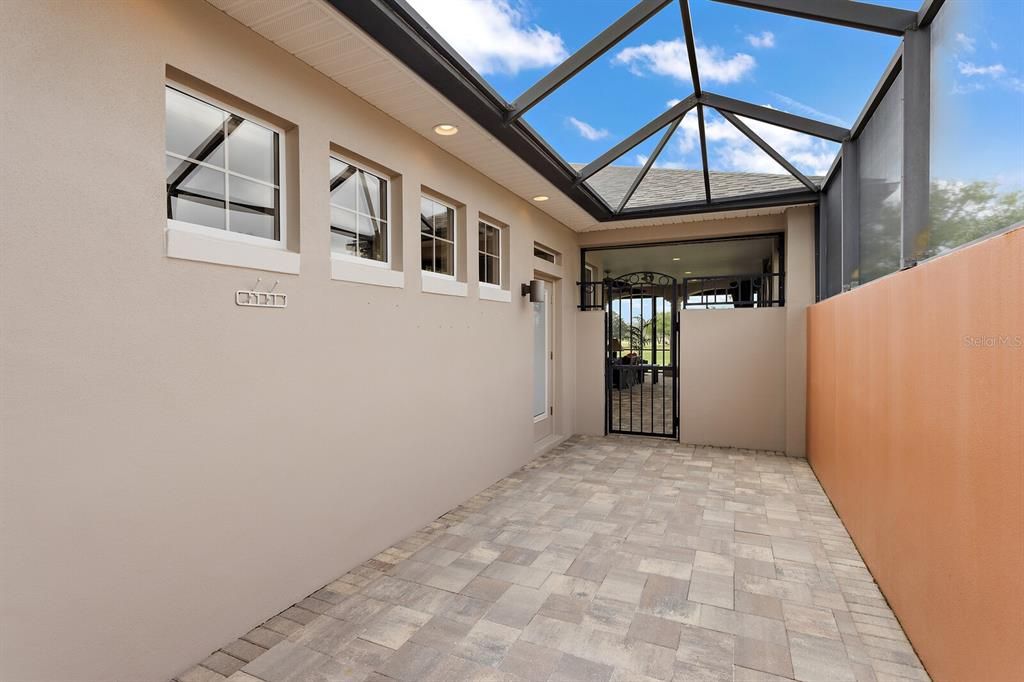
(445, 129)
(688, 272)
(675, 259)
(540, 197)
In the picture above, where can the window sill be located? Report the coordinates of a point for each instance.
(348, 270)
(196, 243)
(547, 267)
(495, 294)
(434, 284)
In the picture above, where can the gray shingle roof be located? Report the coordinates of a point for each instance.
(675, 185)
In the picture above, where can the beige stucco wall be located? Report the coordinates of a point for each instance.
(800, 228)
(590, 379)
(175, 469)
(732, 367)
(785, 328)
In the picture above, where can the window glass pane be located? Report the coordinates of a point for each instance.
(489, 269)
(540, 358)
(427, 253)
(444, 257)
(427, 215)
(195, 193)
(373, 195)
(489, 239)
(444, 219)
(343, 185)
(343, 231)
(880, 163)
(543, 255)
(252, 150)
(372, 239)
(194, 129)
(977, 124)
(253, 208)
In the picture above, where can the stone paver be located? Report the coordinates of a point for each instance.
(608, 559)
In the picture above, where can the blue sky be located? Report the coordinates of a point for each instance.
(809, 68)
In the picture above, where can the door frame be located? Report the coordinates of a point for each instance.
(543, 424)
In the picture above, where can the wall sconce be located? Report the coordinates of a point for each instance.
(535, 290)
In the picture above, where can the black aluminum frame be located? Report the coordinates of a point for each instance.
(396, 25)
(746, 290)
(640, 285)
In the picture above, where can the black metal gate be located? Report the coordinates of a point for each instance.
(641, 354)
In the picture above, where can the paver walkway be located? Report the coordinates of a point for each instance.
(607, 559)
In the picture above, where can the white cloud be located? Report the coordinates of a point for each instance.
(730, 150)
(993, 70)
(586, 130)
(668, 58)
(493, 35)
(766, 39)
(964, 41)
(992, 75)
(808, 110)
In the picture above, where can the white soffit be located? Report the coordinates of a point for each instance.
(322, 37)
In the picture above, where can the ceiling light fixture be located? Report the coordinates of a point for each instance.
(445, 129)
(675, 258)
(541, 197)
(688, 272)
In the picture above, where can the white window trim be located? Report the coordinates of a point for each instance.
(387, 223)
(500, 254)
(191, 241)
(492, 293)
(365, 271)
(200, 243)
(433, 283)
(454, 242)
(548, 339)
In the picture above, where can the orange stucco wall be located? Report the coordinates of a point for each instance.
(916, 431)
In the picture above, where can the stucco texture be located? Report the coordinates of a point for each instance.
(175, 468)
(916, 432)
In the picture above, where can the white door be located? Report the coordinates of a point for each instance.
(543, 360)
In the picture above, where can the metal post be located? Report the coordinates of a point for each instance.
(915, 174)
(821, 242)
(851, 216)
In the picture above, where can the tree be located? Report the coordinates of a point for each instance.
(962, 212)
(959, 212)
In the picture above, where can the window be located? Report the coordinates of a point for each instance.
(359, 212)
(490, 254)
(437, 237)
(223, 169)
(544, 254)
